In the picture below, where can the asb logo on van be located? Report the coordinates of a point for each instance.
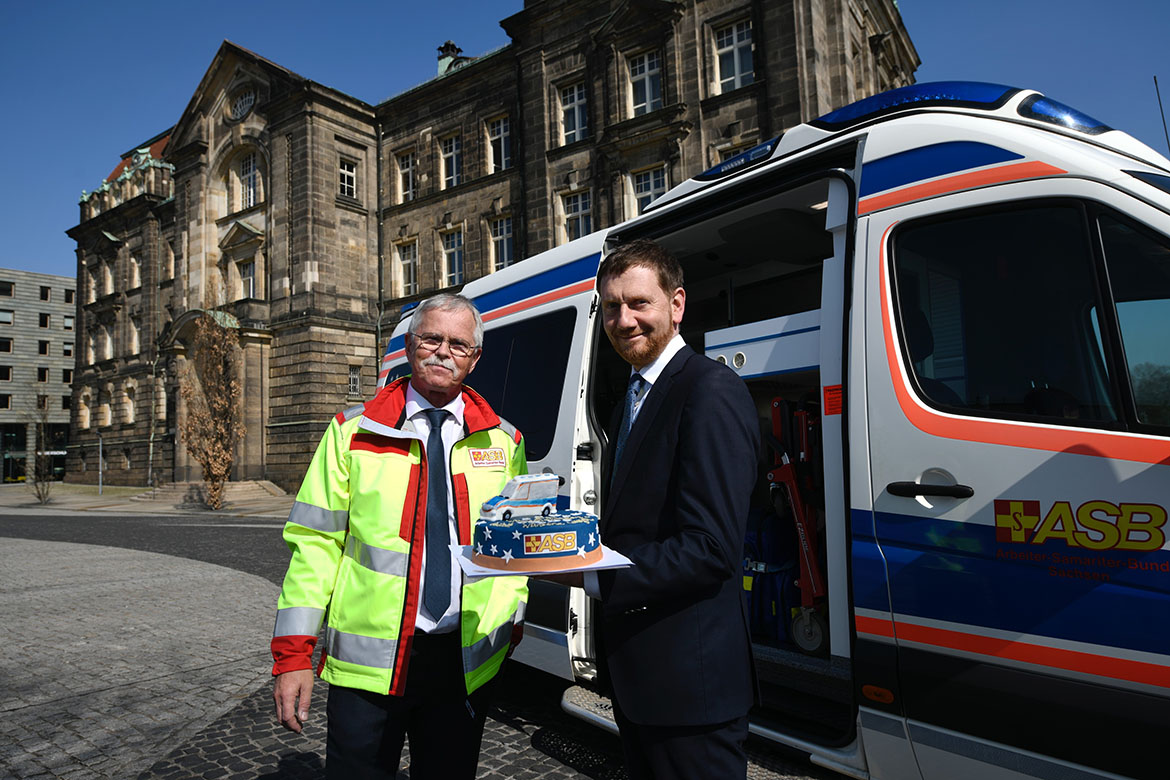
(1094, 525)
(546, 544)
(491, 458)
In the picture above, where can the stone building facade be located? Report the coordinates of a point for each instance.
(312, 218)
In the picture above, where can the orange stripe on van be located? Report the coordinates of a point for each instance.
(1024, 652)
(1034, 436)
(547, 297)
(963, 181)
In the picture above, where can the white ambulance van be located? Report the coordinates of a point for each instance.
(951, 304)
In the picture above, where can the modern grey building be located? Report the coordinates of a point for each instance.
(37, 313)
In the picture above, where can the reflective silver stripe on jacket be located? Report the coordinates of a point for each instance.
(479, 653)
(298, 621)
(353, 412)
(508, 428)
(327, 520)
(377, 559)
(362, 650)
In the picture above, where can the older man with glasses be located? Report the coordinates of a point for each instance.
(410, 646)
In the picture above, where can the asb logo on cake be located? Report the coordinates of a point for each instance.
(492, 457)
(546, 544)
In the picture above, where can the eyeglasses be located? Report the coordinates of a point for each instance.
(432, 341)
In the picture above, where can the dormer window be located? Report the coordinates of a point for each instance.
(242, 103)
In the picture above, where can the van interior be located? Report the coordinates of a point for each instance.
(748, 270)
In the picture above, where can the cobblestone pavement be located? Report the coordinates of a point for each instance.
(125, 661)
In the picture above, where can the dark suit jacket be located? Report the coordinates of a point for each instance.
(675, 636)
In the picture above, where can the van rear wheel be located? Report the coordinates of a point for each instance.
(507, 515)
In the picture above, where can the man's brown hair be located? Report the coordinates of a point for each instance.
(646, 254)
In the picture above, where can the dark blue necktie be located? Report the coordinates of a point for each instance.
(438, 584)
(632, 392)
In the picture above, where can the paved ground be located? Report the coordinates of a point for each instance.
(137, 648)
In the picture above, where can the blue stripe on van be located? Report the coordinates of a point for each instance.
(552, 279)
(958, 572)
(928, 162)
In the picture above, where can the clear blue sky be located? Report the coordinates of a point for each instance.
(83, 82)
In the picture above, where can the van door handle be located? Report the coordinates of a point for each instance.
(911, 489)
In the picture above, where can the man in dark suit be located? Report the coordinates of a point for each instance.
(674, 635)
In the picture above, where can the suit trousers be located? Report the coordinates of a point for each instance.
(445, 725)
(683, 752)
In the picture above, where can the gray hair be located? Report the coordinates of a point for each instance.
(449, 302)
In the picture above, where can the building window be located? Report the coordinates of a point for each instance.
(68, 322)
(502, 247)
(42, 402)
(65, 403)
(5, 345)
(733, 55)
(46, 293)
(248, 279)
(355, 380)
(578, 215)
(574, 114)
(649, 186)
(135, 273)
(135, 335)
(645, 83)
(5, 317)
(6, 289)
(67, 376)
(406, 184)
(69, 296)
(66, 349)
(5, 400)
(44, 320)
(500, 144)
(453, 257)
(347, 179)
(5, 373)
(42, 347)
(242, 103)
(42, 374)
(452, 152)
(408, 267)
(249, 179)
(129, 409)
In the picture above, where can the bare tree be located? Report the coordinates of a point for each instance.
(39, 467)
(211, 388)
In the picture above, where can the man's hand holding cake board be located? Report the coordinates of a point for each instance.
(519, 533)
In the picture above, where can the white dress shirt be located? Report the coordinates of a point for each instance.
(452, 432)
(649, 375)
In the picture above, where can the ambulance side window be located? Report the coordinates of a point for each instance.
(522, 373)
(1139, 278)
(995, 314)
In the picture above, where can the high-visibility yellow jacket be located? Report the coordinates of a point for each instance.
(351, 531)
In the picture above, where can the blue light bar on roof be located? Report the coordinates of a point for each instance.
(968, 94)
(1049, 110)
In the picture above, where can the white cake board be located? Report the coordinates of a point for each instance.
(610, 559)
